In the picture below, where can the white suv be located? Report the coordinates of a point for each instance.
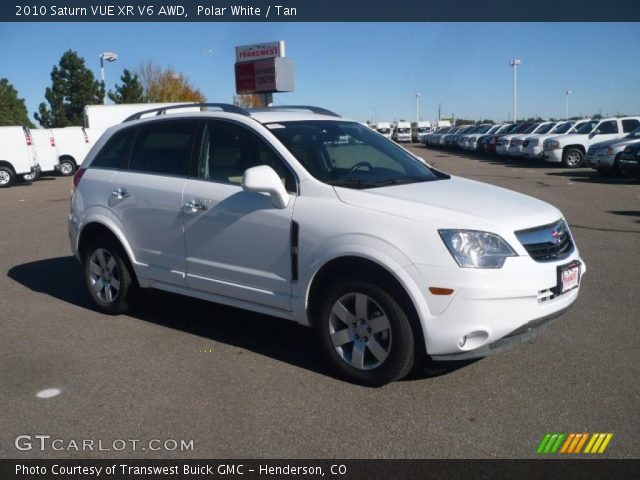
(270, 210)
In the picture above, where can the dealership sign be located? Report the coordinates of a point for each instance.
(263, 68)
(264, 76)
(259, 51)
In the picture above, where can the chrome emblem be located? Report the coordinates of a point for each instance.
(555, 237)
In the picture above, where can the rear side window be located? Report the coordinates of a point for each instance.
(115, 153)
(607, 127)
(164, 147)
(630, 125)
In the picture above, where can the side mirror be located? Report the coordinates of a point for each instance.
(593, 134)
(264, 179)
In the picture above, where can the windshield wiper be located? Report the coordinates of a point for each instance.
(402, 180)
(354, 182)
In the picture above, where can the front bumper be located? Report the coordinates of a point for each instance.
(600, 160)
(489, 305)
(532, 152)
(630, 167)
(554, 156)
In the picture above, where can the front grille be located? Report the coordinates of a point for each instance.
(548, 242)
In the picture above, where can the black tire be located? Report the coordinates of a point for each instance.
(399, 340)
(67, 167)
(572, 158)
(616, 164)
(35, 177)
(7, 177)
(127, 285)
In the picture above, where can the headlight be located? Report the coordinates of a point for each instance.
(551, 145)
(474, 249)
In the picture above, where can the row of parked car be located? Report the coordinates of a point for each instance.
(25, 154)
(605, 144)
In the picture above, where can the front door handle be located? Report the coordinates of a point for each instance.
(120, 194)
(195, 206)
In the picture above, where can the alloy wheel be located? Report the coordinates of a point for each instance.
(360, 331)
(104, 275)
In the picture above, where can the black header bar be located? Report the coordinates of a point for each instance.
(319, 11)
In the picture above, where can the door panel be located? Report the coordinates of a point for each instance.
(152, 217)
(240, 245)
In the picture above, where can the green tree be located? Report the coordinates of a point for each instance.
(131, 90)
(13, 111)
(72, 87)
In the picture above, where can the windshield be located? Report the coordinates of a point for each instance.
(531, 128)
(587, 127)
(384, 130)
(404, 130)
(562, 128)
(421, 129)
(544, 128)
(483, 128)
(349, 155)
(634, 133)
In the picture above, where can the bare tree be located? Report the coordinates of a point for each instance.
(248, 101)
(167, 85)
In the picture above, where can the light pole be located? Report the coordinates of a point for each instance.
(514, 63)
(417, 106)
(566, 106)
(109, 57)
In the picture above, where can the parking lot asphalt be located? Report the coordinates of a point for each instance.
(241, 384)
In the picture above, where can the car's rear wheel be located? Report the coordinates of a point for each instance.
(572, 158)
(108, 277)
(365, 333)
(7, 177)
(67, 167)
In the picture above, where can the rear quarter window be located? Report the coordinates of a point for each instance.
(115, 153)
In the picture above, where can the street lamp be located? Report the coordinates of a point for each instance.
(566, 106)
(109, 57)
(417, 106)
(514, 63)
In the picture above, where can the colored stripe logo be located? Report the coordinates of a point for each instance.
(573, 443)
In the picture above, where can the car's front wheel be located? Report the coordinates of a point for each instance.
(365, 333)
(108, 277)
(572, 158)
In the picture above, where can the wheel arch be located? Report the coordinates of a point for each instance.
(66, 156)
(366, 267)
(4, 163)
(97, 229)
(577, 146)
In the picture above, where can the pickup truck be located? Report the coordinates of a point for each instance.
(605, 156)
(570, 149)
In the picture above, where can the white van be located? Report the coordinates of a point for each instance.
(383, 128)
(105, 116)
(73, 144)
(418, 129)
(18, 160)
(46, 150)
(402, 132)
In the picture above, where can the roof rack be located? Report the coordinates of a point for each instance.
(225, 107)
(284, 108)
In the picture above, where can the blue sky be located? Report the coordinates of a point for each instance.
(358, 69)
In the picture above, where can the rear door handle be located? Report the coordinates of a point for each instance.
(120, 194)
(195, 206)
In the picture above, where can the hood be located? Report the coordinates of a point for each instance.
(455, 203)
(618, 142)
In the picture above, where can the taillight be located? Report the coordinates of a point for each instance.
(77, 176)
(86, 137)
(52, 141)
(27, 136)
